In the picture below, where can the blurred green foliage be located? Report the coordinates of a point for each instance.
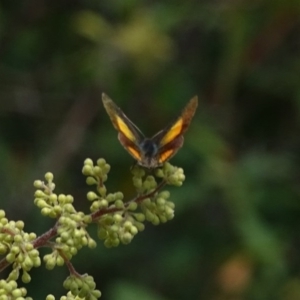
(235, 235)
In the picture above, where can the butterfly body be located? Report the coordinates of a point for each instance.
(150, 152)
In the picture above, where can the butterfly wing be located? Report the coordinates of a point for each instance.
(129, 135)
(170, 139)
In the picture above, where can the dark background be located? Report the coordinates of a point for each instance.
(236, 231)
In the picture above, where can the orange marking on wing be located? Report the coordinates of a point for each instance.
(136, 154)
(164, 156)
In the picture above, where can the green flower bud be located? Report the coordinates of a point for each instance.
(53, 198)
(159, 173)
(163, 219)
(155, 220)
(87, 170)
(3, 248)
(161, 201)
(133, 230)
(51, 186)
(108, 243)
(18, 238)
(101, 162)
(97, 171)
(102, 190)
(10, 257)
(149, 216)
(126, 238)
(138, 171)
(39, 194)
(106, 168)
(115, 242)
(137, 182)
(119, 204)
(28, 264)
(139, 217)
(13, 275)
(17, 293)
(91, 180)
(102, 233)
(26, 278)
(60, 261)
(132, 206)
(170, 204)
(38, 184)
(110, 197)
(69, 199)
(91, 196)
(88, 162)
(117, 217)
(119, 195)
(127, 225)
(150, 183)
(92, 244)
(50, 297)
(49, 176)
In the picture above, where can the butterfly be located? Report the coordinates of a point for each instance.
(150, 152)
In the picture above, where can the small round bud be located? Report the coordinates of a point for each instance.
(18, 238)
(103, 203)
(102, 233)
(137, 182)
(155, 220)
(163, 219)
(20, 225)
(127, 225)
(17, 293)
(101, 162)
(160, 201)
(97, 171)
(69, 199)
(38, 184)
(10, 257)
(115, 242)
(88, 162)
(26, 277)
(106, 168)
(50, 297)
(87, 170)
(133, 230)
(49, 176)
(119, 204)
(92, 244)
(140, 217)
(91, 196)
(159, 173)
(132, 206)
(117, 218)
(102, 190)
(39, 194)
(119, 195)
(45, 211)
(90, 180)
(127, 238)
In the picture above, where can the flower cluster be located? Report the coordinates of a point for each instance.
(71, 225)
(9, 290)
(119, 221)
(18, 248)
(82, 286)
